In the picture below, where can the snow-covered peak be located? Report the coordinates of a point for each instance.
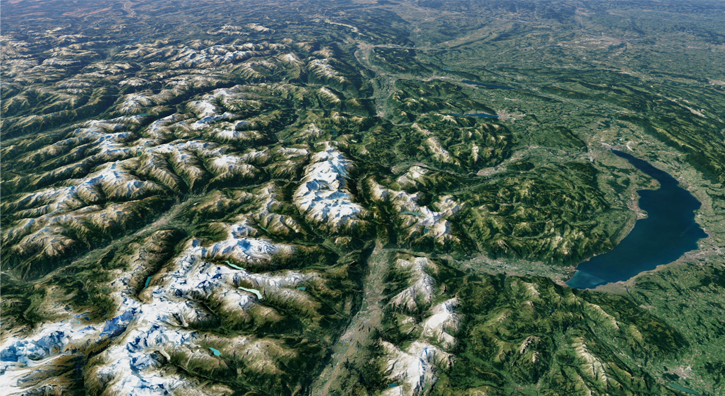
(322, 196)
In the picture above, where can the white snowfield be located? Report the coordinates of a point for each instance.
(188, 57)
(109, 174)
(150, 328)
(322, 196)
(419, 221)
(290, 58)
(421, 291)
(44, 213)
(444, 322)
(414, 368)
(323, 69)
(246, 250)
(21, 356)
(134, 103)
(412, 177)
(231, 165)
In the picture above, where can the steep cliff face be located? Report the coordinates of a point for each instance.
(254, 198)
(221, 276)
(258, 197)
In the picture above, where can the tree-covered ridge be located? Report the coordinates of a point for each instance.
(258, 198)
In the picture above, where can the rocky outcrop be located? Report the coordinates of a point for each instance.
(418, 224)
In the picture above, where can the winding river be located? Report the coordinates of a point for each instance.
(668, 232)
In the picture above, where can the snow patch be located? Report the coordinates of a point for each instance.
(322, 196)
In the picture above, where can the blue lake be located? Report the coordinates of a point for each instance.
(683, 389)
(665, 235)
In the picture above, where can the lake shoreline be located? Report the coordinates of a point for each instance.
(665, 235)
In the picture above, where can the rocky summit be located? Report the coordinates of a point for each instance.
(383, 197)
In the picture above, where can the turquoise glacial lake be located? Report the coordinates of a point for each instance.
(668, 232)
